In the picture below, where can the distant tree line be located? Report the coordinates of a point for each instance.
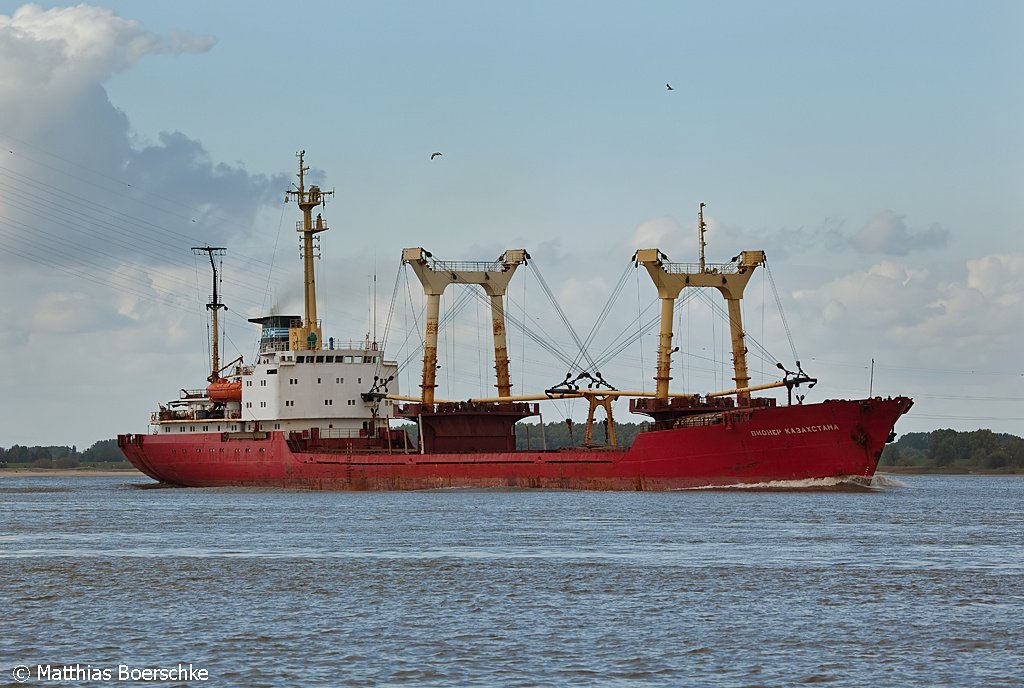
(104, 451)
(957, 451)
(560, 434)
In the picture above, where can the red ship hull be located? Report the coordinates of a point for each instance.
(758, 445)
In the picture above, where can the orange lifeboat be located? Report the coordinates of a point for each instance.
(223, 390)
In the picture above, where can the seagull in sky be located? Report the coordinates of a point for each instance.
(434, 155)
(669, 87)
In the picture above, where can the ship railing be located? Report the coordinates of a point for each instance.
(353, 344)
(344, 434)
(467, 265)
(300, 226)
(361, 346)
(694, 268)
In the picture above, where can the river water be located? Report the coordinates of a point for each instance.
(918, 581)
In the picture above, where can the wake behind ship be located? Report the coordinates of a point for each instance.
(328, 415)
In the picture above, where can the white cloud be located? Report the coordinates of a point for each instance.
(922, 316)
(1000, 278)
(95, 230)
(884, 233)
(660, 232)
(887, 233)
(63, 312)
(53, 58)
(85, 44)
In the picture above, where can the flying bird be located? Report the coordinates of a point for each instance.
(669, 87)
(434, 155)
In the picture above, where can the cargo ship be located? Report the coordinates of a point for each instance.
(314, 414)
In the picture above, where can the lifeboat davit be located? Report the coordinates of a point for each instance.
(223, 390)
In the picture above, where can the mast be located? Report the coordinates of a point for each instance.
(701, 228)
(435, 276)
(308, 336)
(214, 306)
(729, 278)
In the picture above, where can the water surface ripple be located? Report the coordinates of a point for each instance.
(914, 583)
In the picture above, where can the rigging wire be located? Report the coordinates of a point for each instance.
(204, 324)
(80, 265)
(92, 219)
(630, 336)
(782, 314)
(89, 218)
(523, 359)
(747, 338)
(609, 303)
(92, 180)
(387, 328)
(561, 314)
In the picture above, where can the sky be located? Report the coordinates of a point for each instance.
(871, 149)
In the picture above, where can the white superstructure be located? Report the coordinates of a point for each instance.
(297, 383)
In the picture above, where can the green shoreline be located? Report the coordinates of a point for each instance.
(945, 470)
